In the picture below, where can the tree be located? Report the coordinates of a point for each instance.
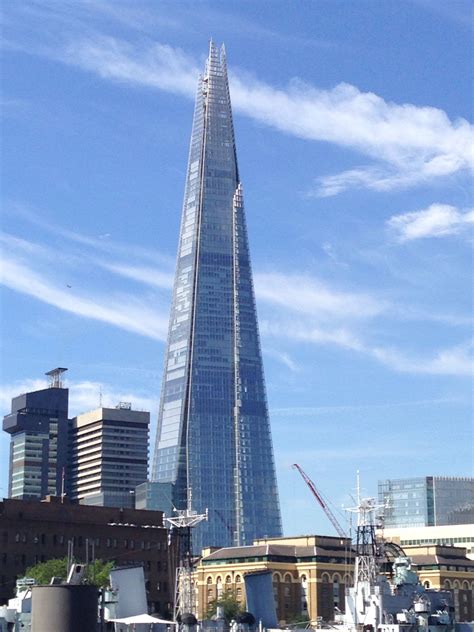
(228, 600)
(97, 573)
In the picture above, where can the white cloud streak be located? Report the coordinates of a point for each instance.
(438, 220)
(147, 275)
(83, 396)
(126, 312)
(410, 144)
(311, 296)
(303, 309)
(456, 360)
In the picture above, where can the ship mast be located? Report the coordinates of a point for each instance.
(183, 521)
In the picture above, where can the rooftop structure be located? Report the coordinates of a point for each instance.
(109, 455)
(38, 425)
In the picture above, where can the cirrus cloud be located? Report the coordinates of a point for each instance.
(438, 220)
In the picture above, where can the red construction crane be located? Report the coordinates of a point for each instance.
(319, 498)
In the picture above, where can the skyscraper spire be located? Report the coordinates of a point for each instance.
(213, 429)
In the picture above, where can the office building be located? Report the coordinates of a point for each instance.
(38, 425)
(33, 532)
(108, 455)
(309, 574)
(213, 439)
(427, 501)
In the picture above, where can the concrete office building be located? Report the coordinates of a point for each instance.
(38, 425)
(108, 455)
(32, 532)
(427, 501)
(213, 434)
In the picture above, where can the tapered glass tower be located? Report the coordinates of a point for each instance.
(213, 441)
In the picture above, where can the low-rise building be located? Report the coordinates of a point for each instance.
(446, 568)
(33, 532)
(461, 535)
(310, 574)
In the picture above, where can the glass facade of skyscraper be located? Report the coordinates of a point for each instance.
(427, 501)
(213, 439)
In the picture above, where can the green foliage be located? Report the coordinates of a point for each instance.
(97, 573)
(44, 571)
(228, 600)
(298, 618)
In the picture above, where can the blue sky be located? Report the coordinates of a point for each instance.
(355, 152)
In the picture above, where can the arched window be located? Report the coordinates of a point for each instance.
(238, 579)
(456, 584)
(335, 589)
(209, 580)
(426, 584)
(447, 584)
(325, 578)
(228, 580)
(288, 578)
(465, 585)
(304, 594)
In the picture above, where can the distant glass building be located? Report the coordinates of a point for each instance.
(427, 501)
(213, 438)
(38, 425)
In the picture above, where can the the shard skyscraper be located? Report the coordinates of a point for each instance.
(213, 435)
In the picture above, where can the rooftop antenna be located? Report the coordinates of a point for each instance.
(55, 379)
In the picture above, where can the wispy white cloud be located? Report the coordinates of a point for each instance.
(410, 144)
(99, 244)
(284, 358)
(156, 66)
(456, 360)
(311, 296)
(148, 275)
(316, 411)
(305, 330)
(83, 395)
(304, 309)
(125, 311)
(438, 220)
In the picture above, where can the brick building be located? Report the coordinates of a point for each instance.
(32, 532)
(446, 568)
(310, 574)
